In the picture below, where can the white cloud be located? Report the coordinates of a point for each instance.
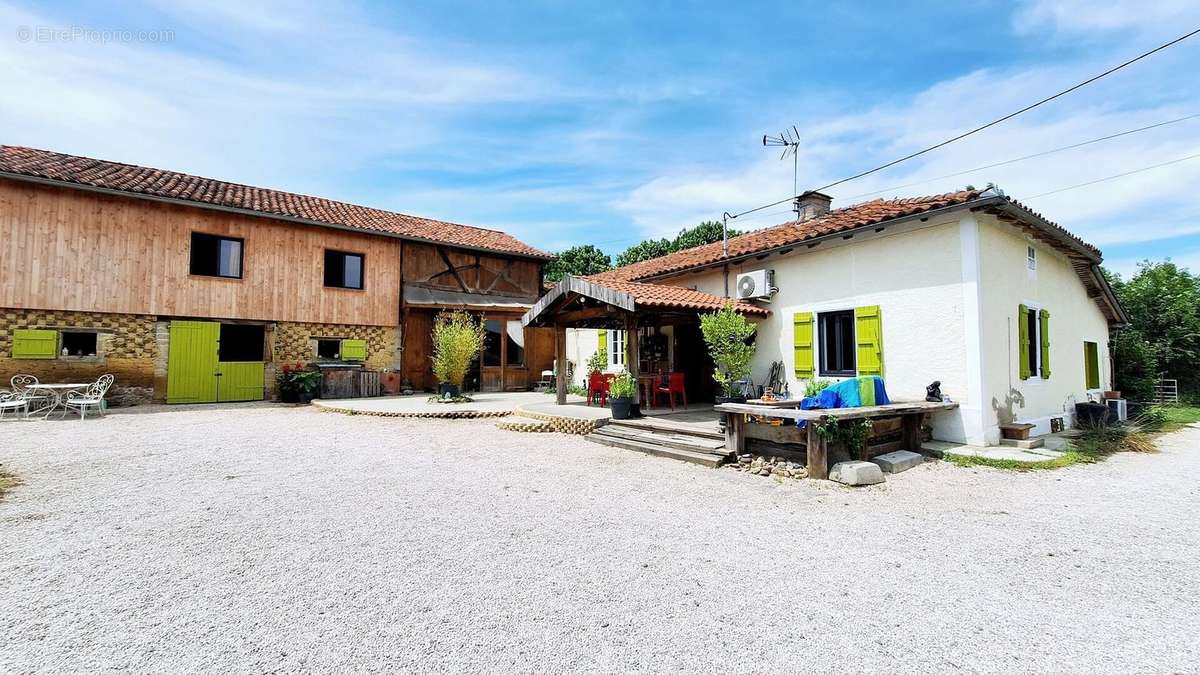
(1075, 18)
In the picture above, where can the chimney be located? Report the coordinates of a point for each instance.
(810, 205)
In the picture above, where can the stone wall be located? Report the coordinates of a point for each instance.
(125, 346)
(296, 342)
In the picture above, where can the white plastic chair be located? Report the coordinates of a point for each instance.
(15, 401)
(92, 397)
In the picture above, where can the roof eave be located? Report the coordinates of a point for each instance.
(261, 214)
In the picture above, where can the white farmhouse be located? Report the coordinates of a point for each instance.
(1006, 309)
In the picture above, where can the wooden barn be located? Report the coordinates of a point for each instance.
(194, 290)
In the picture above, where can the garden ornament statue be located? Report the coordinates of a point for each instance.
(934, 392)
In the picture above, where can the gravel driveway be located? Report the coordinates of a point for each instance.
(284, 539)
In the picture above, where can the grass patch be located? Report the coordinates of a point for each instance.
(1095, 445)
(7, 482)
(1179, 416)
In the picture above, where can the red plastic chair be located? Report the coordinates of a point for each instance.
(598, 386)
(674, 386)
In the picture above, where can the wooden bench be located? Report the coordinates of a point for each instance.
(910, 414)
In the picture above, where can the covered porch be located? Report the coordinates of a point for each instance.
(642, 311)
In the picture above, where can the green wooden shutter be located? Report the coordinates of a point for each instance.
(34, 344)
(354, 350)
(868, 330)
(1044, 318)
(1023, 341)
(1091, 365)
(603, 348)
(802, 339)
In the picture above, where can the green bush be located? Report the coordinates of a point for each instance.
(457, 341)
(622, 386)
(597, 363)
(814, 387)
(1153, 418)
(728, 336)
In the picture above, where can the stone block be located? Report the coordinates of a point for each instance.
(900, 460)
(856, 473)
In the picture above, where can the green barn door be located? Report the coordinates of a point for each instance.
(192, 362)
(240, 381)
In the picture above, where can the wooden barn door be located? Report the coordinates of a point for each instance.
(415, 365)
(192, 362)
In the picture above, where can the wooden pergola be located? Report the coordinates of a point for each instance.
(587, 303)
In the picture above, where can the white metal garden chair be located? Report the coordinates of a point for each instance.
(16, 402)
(92, 397)
(26, 386)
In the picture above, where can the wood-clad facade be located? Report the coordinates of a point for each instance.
(120, 266)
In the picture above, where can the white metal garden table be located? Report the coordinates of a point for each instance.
(55, 395)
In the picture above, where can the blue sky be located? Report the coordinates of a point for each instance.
(565, 123)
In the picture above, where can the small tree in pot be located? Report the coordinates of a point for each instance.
(457, 341)
(620, 395)
(729, 339)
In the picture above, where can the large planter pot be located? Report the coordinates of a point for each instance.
(390, 382)
(621, 407)
(289, 396)
(728, 399)
(307, 396)
(444, 387)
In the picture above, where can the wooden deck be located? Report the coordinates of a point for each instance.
(910, 414)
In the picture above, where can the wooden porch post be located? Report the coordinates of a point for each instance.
(560, 364)
(818, 462)
(632, 356)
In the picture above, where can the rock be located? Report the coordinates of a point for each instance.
(900, 460)
(856, 473)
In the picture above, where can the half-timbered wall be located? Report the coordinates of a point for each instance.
(65, 249)
(447, 269)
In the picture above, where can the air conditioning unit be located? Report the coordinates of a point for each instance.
(1118, 410)
(756, 285)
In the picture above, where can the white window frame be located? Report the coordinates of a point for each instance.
(1035, 341)
(616, 356)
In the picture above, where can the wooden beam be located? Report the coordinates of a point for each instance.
(631, 354)
(453, 270)
(818, 461)
(910, 433)
(735, 434)
(584, 314)
(560, 364)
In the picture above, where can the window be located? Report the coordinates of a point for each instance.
(214, 256)
(240, 342)
(837, 343)
(329, 348)
(1035, 342)
(1031, 258)
(514, 344)
(78, 344)
(491, 342)
(1091, 364)
(616, 348)
(343, 270)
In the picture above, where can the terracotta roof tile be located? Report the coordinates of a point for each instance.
(661, 295)
(140, 180)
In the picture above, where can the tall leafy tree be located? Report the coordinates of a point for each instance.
(644, 250)
(1163, 302)
(704, 233)
(578, 261)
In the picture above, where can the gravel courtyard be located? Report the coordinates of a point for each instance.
(283, 539)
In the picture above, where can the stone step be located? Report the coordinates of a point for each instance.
(708, 459)
(655, 424)
(1027, 444)
(669, 439)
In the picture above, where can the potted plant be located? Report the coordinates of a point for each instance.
(620, 395)
(729, 339)
(457, 341)
(298, 383)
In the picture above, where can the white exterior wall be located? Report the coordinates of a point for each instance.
(1005, 284)
(583, 342)
(915, 273)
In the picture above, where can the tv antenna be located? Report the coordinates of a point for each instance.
(789, 140)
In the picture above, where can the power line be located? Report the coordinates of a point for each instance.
(984, 126)
(1033, 156)
(1115, 176)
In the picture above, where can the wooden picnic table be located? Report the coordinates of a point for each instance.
(909, 412)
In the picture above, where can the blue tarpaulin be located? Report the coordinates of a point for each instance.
(850, 393)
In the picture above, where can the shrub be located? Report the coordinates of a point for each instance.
(814, 387)
(728, 336)
(1153, 418)
(298, 378)
(457, 341)
(597, 363)
(622, 386)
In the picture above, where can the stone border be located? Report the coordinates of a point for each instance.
(526, 426)
(448, 414)
(564, 425)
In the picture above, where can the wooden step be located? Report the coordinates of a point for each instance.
(708, 459)
(669, 439)
(655, 424)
